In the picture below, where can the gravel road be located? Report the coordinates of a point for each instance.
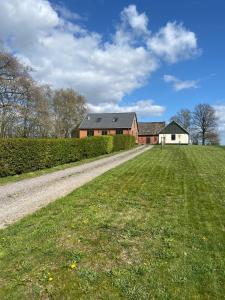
(26, 196)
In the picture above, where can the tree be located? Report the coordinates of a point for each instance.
(28, 109)
(69, 109)
(183, 117)
(43, 122)
(212, 138)
(11, 71)
(204, 121)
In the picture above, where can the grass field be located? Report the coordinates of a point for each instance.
(153, 228)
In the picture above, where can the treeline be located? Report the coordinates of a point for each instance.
(201, 123)
(28, 109)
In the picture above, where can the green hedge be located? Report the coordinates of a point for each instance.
(25, 155)
(123, 142)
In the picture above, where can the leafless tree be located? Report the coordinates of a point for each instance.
(10, 72)
(212, 138)
(183, 117)
(44, 121)
(204, 121)
(69, 109)
(28, 109)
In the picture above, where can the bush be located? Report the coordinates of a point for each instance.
(95, 146)
(123, 142)
(26, 155)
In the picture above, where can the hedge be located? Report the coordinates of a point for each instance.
(123, 142)
(25, 155)
(19, 155)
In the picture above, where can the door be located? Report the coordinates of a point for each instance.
(148, 140)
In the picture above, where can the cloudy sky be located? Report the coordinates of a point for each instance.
(152, 57)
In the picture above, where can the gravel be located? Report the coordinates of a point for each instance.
(26, 196)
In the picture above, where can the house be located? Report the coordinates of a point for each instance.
(174, 133)
(148, 132)
(96, 124)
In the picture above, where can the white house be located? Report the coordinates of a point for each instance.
(174, 133)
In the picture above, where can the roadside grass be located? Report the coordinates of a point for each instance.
(152, 228)
(15, 178)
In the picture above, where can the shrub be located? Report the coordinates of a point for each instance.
(24, 155)
(95, 146)
(123, 142)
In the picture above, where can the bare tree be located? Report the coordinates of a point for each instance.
(204, 121)
(34, 110)
(28, 109)
(69, 108)
(44, 122)
(183, 117)
(10, 72)
(212, 138)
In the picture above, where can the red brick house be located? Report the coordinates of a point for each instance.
(96, 124)
(148, 132)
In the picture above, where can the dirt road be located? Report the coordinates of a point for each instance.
(26, 196)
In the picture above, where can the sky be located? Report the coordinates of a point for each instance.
(154, 57)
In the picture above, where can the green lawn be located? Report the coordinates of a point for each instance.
(153, 228)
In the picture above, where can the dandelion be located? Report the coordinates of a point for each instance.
(50, 279)
(73, 265)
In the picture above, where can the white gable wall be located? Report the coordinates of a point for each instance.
(179, 138)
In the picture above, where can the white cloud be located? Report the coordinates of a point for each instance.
(24, 23)
(220, 114)
(178, 84)
(141, 107)
(65, 54)
(66, 13)
(137, 21)
(133, 27)
(174, 43)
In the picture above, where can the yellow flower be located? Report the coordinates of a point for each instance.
(73, 265)
(50, 279)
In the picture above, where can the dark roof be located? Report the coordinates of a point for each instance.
(174, 128)
(150, 128)
(108, 120)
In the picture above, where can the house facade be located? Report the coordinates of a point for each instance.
(175, 134)
(148, 132)
(97, 124)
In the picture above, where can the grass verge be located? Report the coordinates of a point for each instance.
(152, 228)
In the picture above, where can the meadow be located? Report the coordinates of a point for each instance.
(152, 228)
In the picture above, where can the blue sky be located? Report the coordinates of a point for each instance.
(154, 57)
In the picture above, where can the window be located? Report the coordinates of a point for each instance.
(173, 137)
(90, 132)
(119, 131)
(98, 120)
(104, 132)
(115, 119)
